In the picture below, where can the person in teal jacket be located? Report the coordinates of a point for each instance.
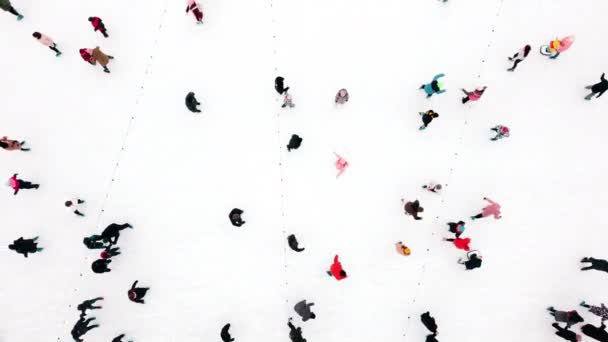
(434, 87)
(6, 6)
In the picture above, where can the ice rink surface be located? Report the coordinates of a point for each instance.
(126, 143)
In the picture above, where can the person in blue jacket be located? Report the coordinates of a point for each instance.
(434, 87)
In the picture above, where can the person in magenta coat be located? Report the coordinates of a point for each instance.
(460, 243)
(47, 41)
(473, 95)
(18, 184)
(336, 270)
(492, 209)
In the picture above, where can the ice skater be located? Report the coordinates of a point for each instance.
(413, 209)
(433, 187)
(109, 252)
(137, 294)
(92, 56)
(519, 57)
(427, 118)
(566, 333)
(492, 209)
(336, 270)
(472, 262)
(501, 132)
(111, 234)
(119, 338)
(287, 101)
(342, 96)
(7, 7)
(434, 87)
(235, 217)
(402, 249)
(456, 227)
(295, 334)
(294, 143)
(341, 165)
(18, 184)
(46, 41)
(474, 95)
(600, 311)
(94, 242)
(12, 145)
(293, 243)
(303, 309)
(195, 8)
(598, 88)
(596, 333)
(192, 103)
(460, 243)
(101, 265)
(225, 334)
(429, 322)
(98, 25)
(88, 304)
(279, 85)
(82, 327)
(569, 317)
(25, 246)
(75, 206)
(596, 264)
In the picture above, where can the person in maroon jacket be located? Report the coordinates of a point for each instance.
(98, 25)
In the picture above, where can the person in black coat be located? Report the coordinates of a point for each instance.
(94, 242)
(112, 232)
(225, 335)
(279, 85)
(82, 327)
(235, 217)
(88, 304)
(473, 261)
(119, 338)
(295, 334)
(294, 143)
(598, 88)
(566, 333)
(192, 103)
(101, 265)
(596, 264)
(293, 243)
(25, 246)
(596, 333)
(137, 294)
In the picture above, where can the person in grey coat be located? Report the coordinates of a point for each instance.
(303, 309)
(569, 317)
(6, 6)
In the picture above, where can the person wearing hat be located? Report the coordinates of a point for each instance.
(109, 252)
(474, 95)
(501, 132)
(456, 228)
(427, 118)
(137, 294)
(342, 96)
(402, 249)
(435, 87)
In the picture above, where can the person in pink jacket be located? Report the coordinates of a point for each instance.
(198, 14)
(492, 209)
(47, 41)
(473, 95)
(18, 184)
(341, 164)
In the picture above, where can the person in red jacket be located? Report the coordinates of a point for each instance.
(18, 184)
(336, 270)
(98, 25)
(460, 243)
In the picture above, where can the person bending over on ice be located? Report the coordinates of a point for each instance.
(569, 317)
(474, 95)
(473, 260)
(492, 209)
(336, 270)
(101, 265)
(88, 304)
(82, 327)
(413, 208)
(600, 311)
(434, 87)
(198, 14)
(225, 334)
(342, 96)
(295, 334)
(293, 243)
(119, 338)
(303, 309)
(566, 333)
(18, 184)
(427, 117)
(46, 41)
(75, 205)
(25, 246)
(192, 103)
(12, 145)
(7, 7)
(519, 57)
(137, 294)
(112, 232)
(598, 88)
(501, 132)
(596, 264)
(235, 217)
(596, 333)
(98, 25)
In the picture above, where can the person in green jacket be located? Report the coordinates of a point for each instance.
(6, 6)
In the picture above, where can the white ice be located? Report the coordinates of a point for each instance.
(180, 174)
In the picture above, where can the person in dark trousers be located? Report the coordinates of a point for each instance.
(101, 265)
(225, 334)
(73, 205)
(431, 325)
(25, 246)
(88, 304)
(137, 294)
(293, 243)
(294, 143)
(6, 6)
(110, 252)
(235, 217)
(596, 264)
(303, 309)
(18, 184)
(569, 317)
(98, 25)
(457, 228)
(279, 85)
(47, 41)
(82, 327)
(94, 242)
(413, 208)
(598, 88)
(427, 117)
(473, 261)
(192, 103)
(519, 57)
(295, 334)
(112, 232)
(596, 333)
(566, 333)
(600, 311)
(12, 145)
(119, 338)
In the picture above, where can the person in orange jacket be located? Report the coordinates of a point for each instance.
(336, 270)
